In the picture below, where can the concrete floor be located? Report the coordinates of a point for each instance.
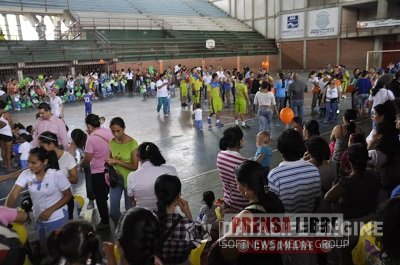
(193, 153)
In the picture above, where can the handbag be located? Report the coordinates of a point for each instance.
(112, 175)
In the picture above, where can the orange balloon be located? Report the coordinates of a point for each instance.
(338, 83)
(286, 115)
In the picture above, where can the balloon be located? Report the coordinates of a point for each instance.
(116, 254)
(40, 77)
(286, 115)
(78, 94)
(23, 105)
(218, 213)
(195, 254)
(7, 108)
(151, 69)
(21, 231)
(338, 83)
(80, 200)
(29, 104)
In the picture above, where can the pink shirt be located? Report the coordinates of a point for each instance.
(98, 145)
(54, 125)
(7, 215)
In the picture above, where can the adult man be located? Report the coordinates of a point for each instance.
(56, 104)
(216, 100)
(48, 122)
(241, 101)
(296, 92)
(296, 182)
(363, 87)
(97, 151)
(162, 94)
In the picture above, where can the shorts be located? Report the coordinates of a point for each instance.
(240, 106)
(5, 138)
(196, 97)
(216, 104)
(362, 100)
(184, 92)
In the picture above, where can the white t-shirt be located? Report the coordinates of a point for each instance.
(24, 149)
(381, 97)
(129, 76)
(207, 79)
(264, 99)
(66, 163)
(141, 183)
(46, 193)
(198, 114)
(55, 104)
(152, 85)
(163, 91)
(312, 82)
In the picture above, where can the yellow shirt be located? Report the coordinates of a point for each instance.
(214, 87)
(241, 91)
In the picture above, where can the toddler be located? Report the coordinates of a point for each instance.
(264, 152)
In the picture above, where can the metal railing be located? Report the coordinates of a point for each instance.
(351, 30)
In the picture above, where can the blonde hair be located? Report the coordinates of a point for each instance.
(264, 136)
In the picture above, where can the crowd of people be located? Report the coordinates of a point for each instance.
(355, 173)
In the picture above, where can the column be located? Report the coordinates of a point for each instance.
(7, 33)
(381, 13)
(252, 13)
(238, 63)
(18, 19)
(304, 54)
(73, 72)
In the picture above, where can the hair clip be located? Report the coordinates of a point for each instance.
(91, 233)
(352, 121)
(266, 188)
(147, 148)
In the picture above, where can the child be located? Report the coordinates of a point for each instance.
(102, 122)
(23, 150)
(88, 99)
(143, 91)
(264, 152)
(207, 211)
(153, 88)
(297, 124)
(241, 102)
(198, 117)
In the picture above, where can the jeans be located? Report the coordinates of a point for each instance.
(331, 108)
(198, 124)
(162, 101)
(45, 228)
(280, 102)
(265, 119)
(115, 200)
(100, 190)
(297, 105)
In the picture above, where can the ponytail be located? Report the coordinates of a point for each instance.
(150, 151)
(43, 155)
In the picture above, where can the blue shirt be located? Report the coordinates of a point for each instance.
(279, 89)
(87, 98)
(363, 85)
(267, 155)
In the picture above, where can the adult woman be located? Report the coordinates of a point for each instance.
(227, 160)
(250, 178)
(265, 100)
(137, 238)
(280, 91)
(49, 189)
(79, 138)
(174, 241)
(331, 101)
(66, 162)
(340, 134)
(75, 243)
(382, 112)
(6, 124)
(124, 159)
(97, 150)
(318, 154)
(356, 193)
(379, 95)
(129, 80)
(140, 186)
(310, 129)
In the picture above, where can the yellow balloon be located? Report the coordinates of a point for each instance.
(21, 232)
(80, 200)
(116, 254)
(195, 254)
(218, 213)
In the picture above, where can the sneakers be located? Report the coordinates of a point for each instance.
(219, 125)
(166, 115)
(245, 126)
(90, 205)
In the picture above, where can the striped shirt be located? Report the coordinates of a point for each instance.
(227, 161)
(297, 185)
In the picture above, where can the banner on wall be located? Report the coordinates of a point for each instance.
(323, 22)
(378, 23)
(292, 25)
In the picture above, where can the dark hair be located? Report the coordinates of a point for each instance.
(214, 75)
(18, 125)
(240, 76)
(291, 145)
(357, 138)
(281, 76)
(312, 126)
(48, 138)
(118, 121)
(297, 120)
(198, 106)
(252, 175)
(387, 110)
(318, 149)
(167, 188)
(149, 151)
(79, 137)
(231, 138)
(391, 231)
(377, 87)
(23, 136)
(350, 116)
(44, 106)
(209, 198)
(29, 129)
(389, 142)
(358, 157)
(93, 120)
(3, 104)
(42, 154)
(76, 242)
(136, 233)
(266, 85)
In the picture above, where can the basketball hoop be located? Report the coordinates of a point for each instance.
(210, 44)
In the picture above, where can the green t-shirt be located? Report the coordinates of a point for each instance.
(241, 91)
(123, 152)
